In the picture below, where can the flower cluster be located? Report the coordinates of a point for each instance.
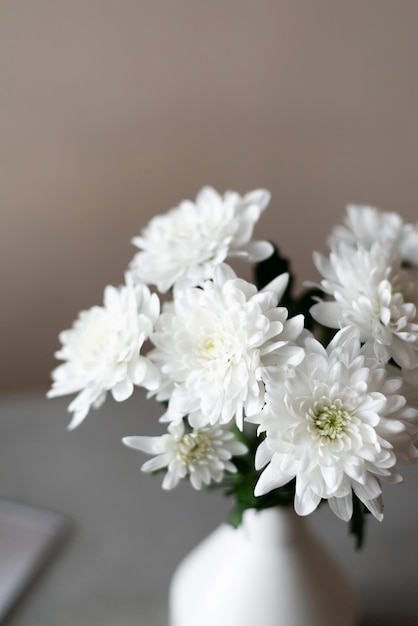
(278, 399)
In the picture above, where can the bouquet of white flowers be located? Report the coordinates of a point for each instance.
(276, 398)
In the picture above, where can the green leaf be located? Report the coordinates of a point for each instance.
(357, 522)
(235, 517)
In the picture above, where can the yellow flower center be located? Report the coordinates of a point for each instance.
(212, 347)
(194, 446)
(329, 422)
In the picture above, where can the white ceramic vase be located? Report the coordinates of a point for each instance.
(271, 571)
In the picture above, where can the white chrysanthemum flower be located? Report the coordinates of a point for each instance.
(102, 350)
(212, 343)
(189, 240)
(368, 289)
(203, 454)
(337, 424)
(366, 224)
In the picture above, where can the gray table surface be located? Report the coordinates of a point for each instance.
(128, 534)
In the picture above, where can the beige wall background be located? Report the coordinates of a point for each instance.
(113, 111)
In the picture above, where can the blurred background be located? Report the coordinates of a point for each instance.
(115, 110)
